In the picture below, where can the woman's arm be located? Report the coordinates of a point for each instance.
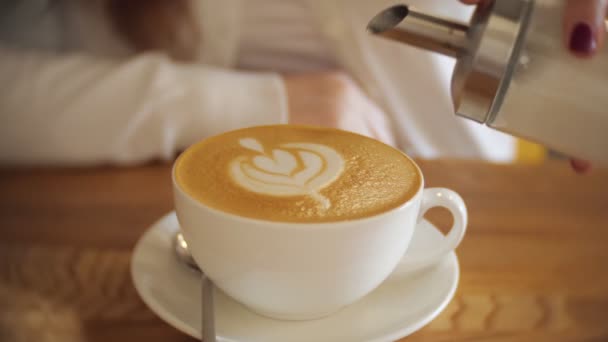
(79, 109)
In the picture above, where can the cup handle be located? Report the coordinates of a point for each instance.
(449, 199)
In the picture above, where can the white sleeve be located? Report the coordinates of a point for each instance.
(77, 109)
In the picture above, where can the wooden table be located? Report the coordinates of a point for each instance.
(534, 263)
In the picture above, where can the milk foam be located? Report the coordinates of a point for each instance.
(291, 169)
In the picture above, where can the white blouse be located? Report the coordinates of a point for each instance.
(283, 36)
(72, 91)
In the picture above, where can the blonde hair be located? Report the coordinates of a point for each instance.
(157, 25)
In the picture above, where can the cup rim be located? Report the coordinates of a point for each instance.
(250, 220)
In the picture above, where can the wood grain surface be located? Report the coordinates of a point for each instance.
(534, 262)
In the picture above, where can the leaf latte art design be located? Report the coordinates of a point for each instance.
(291, 170)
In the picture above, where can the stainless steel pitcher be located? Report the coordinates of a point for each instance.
(514, 73)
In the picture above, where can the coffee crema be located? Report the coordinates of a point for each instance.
(290, 173)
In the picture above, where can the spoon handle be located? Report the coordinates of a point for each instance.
(208, 315)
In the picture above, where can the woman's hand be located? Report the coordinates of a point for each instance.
(333, 99)
(584, 35)
(585, 26)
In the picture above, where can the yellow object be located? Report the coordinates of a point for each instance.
(530, 153)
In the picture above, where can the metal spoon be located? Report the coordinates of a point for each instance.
(183, 253)
(180, 246)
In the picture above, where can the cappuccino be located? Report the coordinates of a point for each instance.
(290, 173)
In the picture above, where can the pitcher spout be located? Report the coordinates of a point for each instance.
(406, 25)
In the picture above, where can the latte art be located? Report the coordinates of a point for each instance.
(291, 170)
(289, 173)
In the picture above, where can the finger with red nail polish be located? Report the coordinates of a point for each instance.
(580, 166)
(584, 26)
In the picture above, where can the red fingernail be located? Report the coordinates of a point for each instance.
(580, 166)
(582, 40)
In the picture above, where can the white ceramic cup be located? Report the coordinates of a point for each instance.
(299, 271)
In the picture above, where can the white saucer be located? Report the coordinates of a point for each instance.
(399, 307)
